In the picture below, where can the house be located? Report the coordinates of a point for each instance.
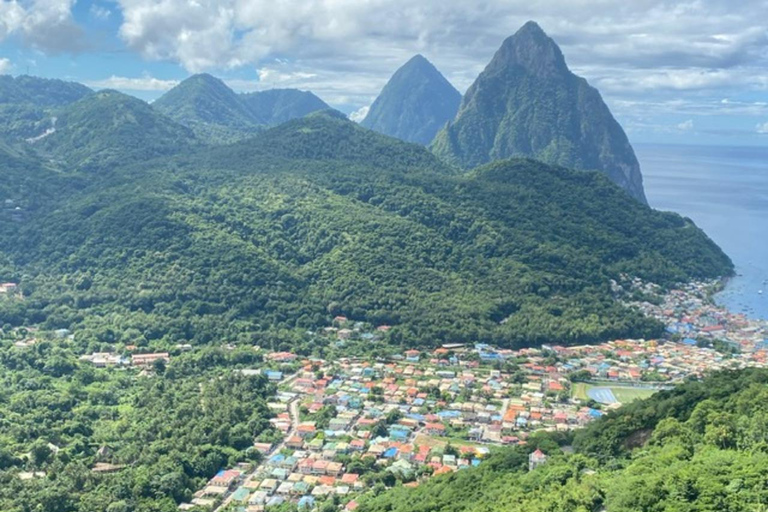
(435, 429)
(536, 459)
(225, 478)
(146, 360)
(269, 486)
(412, 355)
(294, 443)
(258, 498)
(307, 502)
(264, 448)
(306, 430)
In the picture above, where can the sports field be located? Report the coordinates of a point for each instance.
(607, 394)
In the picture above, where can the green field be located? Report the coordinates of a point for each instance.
(623, 394)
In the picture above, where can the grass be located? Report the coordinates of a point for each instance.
(626, 395)
(579, 390)
(623, 394)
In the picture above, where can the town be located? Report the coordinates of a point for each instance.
(350, 424)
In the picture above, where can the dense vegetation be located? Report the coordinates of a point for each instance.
(164, 435)
(415, 103)
(527, 103)
(108, 128)
(319, 217)
(217, 114)
(700, 447)
(28, 104)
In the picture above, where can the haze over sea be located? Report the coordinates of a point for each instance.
(725, 191)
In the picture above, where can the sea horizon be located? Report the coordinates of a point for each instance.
(724, 190)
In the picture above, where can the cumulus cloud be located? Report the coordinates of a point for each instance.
(46, 25)
(637, 53)
(685, 126)
(144, 83)
(762, 128)
(345, 50)
(5, 66)
(359, 114)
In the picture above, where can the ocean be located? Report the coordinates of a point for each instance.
(725, 191)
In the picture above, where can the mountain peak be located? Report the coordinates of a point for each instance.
(528, 103)
(417, 60)
(204, 78)
(415, 103)
(531, 48)
(531, 29)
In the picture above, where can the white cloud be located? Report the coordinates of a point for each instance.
(46, 25)
(762, 128)
(144, 83)
(347, 49)
(686, 126)
(5, 66)
(639, 54)
(275, 76)
(359, 114)
(99, 12)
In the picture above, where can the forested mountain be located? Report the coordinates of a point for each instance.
(699, 447)
(276, 106)
(42, 92)
(217, 114)
(107, 129)
(528, 103)
(320, 217)
(209, 108)
(415, 103)
(27, 104)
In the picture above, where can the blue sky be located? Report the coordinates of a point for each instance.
(681, 72)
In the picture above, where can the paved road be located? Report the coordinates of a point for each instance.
(293, 411)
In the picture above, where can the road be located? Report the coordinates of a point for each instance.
(293, 411)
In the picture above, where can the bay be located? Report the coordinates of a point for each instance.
(724, 190)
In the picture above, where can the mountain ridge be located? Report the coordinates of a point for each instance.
(320, 217)
(217, 114)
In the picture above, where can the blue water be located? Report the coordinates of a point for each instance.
(725, 191)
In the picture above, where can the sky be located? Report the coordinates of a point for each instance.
(692, 72)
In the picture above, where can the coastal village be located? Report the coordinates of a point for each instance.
(422, 413)
(349, 424)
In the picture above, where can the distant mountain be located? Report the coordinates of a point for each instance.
(209, 108)
(27, 104)
(415, 103)
(528, 103)
(273, 236)
(42, 92)
(218, 114)
(276, 106)
(109, 128)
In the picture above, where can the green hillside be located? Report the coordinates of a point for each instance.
(699, 447)
(28, 104)
(209, 108)
(319, 217)
(276, 106)
(108, 129)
